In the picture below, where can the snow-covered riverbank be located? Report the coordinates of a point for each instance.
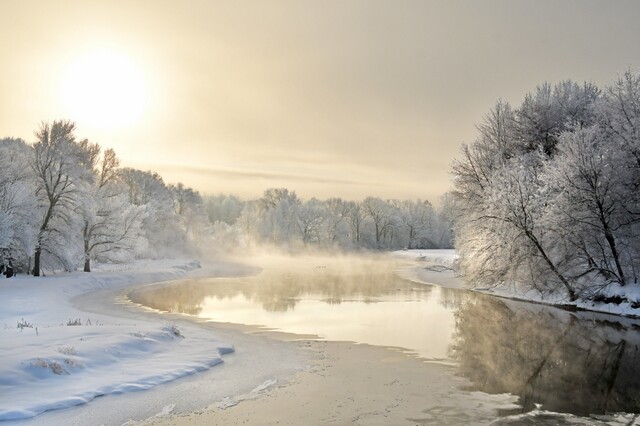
(437, 267)
(64, 341)
(55, 355)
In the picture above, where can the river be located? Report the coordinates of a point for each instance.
(569, 362)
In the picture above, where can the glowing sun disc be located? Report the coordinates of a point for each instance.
(105, 90)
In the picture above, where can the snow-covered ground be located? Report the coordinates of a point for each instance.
(438, 267)
(55, 355)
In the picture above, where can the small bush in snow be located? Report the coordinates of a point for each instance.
(67, 350)
(70, 362)
(54, 366)
(76, 321)
(173, 330)
(24, 324)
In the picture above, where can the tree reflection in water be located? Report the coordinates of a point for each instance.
(582, 363)
(279, 289)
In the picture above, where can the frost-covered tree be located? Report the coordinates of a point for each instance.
(249, 222)
(18, 219)
(61, 167)
(189, 207)
(223, 208)
(593, 204)
(310, 218)
(336, 224)
(381, 214)
(356, 217)
(417, 219)
(496, 143)
(549, 111)
(278, 210)
(619, 115)
(549, 198)
(162, 227)
(519, 200)
(112, 230)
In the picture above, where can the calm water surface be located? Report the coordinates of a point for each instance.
(580, 363)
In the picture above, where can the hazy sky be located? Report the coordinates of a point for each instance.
(327, 98)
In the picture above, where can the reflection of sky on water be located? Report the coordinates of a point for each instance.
(575, 362)
(415, 320)
(350, 298)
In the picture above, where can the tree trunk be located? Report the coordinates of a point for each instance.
(87, 257)
(45, 224)
(572, 294)
(36, 262)
(612, 243)
(616, 256)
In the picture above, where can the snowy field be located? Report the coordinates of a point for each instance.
(55, 355)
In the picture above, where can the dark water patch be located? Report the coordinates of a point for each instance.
(582, 363)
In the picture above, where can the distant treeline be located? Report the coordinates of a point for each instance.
(65, 202)
(280, 218)
(548, 194)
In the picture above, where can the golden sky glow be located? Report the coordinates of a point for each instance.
(344, 98)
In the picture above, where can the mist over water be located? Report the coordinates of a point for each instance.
(582, 363)
(346, 297)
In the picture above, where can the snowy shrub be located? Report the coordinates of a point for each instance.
(70, 362)
(67, 350)
(76, 321)
(172, 330)
(24, 324)
(54, 366)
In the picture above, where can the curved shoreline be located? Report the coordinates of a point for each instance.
(448, 279)
(258, 362)
(352, 383)
(361, 384)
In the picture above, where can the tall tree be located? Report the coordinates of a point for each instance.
(380, 213)
(17, 202)
(112, 224)
(310, 218)
(279, 210)
(162, 228)
(356, 217)
(61, 167)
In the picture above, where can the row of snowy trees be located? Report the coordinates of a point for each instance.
(280, 218)
(65, 202)
(548, 194)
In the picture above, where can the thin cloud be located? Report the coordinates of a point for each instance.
(256, 174)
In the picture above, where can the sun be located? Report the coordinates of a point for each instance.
(105, 90)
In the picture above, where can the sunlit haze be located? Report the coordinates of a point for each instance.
(104, 90)
(328, 99)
